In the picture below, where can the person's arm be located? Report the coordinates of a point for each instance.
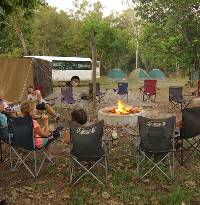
(43, 132)
(66, 136)
(39, 96)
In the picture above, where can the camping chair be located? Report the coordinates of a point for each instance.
(149, 89)
(67, 96)
(189, 134)
(21, 139)
(156, 144)
(176, 99)
(87, 149)
(197, 92)
(99, 94)
(122, 89)
(4, 138)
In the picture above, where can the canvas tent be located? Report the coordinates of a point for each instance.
(139, 74)
(117, 74)
(18, 73)
(157, 74)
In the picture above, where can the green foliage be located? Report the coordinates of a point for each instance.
(171, 34)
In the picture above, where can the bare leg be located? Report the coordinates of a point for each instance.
(50, 110)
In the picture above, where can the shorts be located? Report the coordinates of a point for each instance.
(41, 106)
(44, 141)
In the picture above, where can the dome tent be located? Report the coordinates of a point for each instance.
(139, 74)
(195, 76)
(116, 74)
(157, 74)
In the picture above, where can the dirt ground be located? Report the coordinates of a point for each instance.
(123, 188)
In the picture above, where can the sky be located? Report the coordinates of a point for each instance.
(109, 5)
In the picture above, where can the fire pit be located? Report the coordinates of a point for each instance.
(121, 115)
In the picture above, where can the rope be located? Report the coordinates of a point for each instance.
(25, 82)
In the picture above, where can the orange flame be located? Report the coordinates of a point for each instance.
(121, 109)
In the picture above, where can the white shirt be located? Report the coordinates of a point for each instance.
(34, 97)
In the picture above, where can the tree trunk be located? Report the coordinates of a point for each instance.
(94, 68)
(21, 38)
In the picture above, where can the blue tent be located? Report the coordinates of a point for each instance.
(116, 74)
(157, 74)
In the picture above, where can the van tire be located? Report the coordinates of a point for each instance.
(75, 81)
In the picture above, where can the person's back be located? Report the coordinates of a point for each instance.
(80, 117)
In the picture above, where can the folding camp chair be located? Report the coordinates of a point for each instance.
(156, 144)
(21, 141)
(197, 92)
(122, 90)
(99, 94)
(176, 99)
(87, 150)
(149, 89)
(189, 134)
(4, 138)
(67, 96)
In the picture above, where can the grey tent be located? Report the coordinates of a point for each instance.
(139, 74)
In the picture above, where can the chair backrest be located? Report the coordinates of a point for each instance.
(86, 141)
(198, 89)
(122, 88)
(23, 132)
(67, 95)
(175, 92)
(91, 88)
(190, 122)
(156, 134)
(150, 86)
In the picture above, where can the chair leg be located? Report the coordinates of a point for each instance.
(35, 163)
(106, 169)
(138, 164)
(173, 165)
(181, 152)
(70, 171)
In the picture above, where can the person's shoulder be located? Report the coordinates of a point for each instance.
(35, 123)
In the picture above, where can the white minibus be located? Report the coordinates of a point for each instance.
(74, 69)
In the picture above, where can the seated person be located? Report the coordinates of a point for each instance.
(3, 118)
(36, 96)
(3, 123)
(5, 102)
(78, 116)
(42, 135)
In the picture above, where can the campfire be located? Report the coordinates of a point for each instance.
(121, 109)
